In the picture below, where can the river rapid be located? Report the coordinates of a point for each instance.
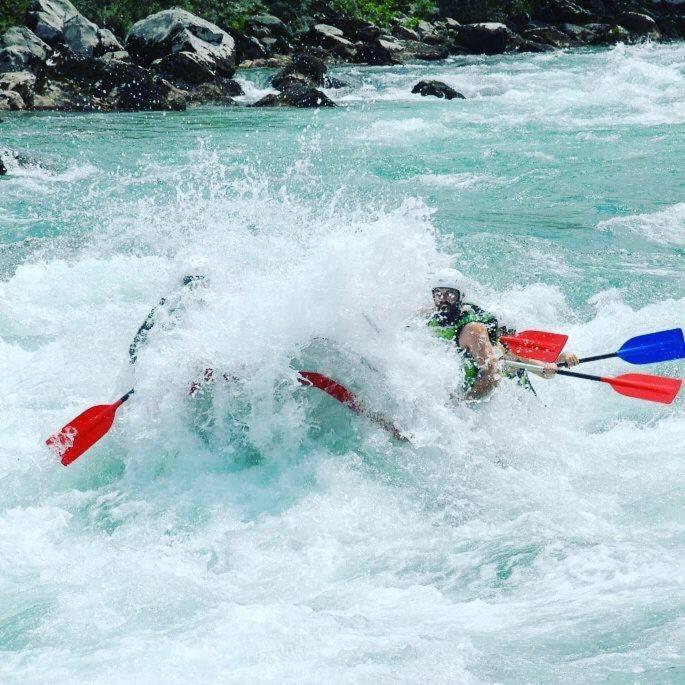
(261, 532)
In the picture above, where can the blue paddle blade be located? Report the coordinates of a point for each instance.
(654, 347)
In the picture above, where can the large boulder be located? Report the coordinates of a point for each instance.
(47, 18)
(437, 89)
(62, 26)
(641, 24)
(488, 38)
(105, 83)
(548, 35)
(331, 39)
(308, 68)
(173, 31)
(297, 95)
(560, 11)
(607, 34)
(21, 49)
(266, 26)
(22, 82)
(432, 53)
(264, 34)
(373, 54)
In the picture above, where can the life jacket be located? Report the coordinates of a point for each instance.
(472, 313)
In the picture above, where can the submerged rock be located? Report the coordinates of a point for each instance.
(438, 89)
(296, 95)
(209, 51)
(3, 168)
(307, 68)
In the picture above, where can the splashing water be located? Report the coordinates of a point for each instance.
(259, 531)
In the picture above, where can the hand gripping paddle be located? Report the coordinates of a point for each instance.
(648, 349)
(642, 349)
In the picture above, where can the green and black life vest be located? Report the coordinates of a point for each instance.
(472, 313)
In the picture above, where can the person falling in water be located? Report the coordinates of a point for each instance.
(476, 334)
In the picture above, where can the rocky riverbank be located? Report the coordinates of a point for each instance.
(60, 60)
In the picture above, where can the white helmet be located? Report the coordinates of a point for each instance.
(447, 278)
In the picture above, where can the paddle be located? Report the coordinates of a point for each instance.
(642, 349)
(84, 431)
(540, 345)
(344, 396)
(647, 349)
(638, 385)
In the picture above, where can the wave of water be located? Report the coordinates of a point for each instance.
(260, 531)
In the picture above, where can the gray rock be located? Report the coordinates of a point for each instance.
(432, 53)
(10, 100)
(489, 38)
(220, 91)
(607, 34)
(548, 35)
(437, 89)
(80, 35)
(3, 168)
(21, 49)
(373, 53)
(298, 95)
(403, 33)
(642, 24)
(331, 39)
(22, 82)
(61, 25)
(108, 43)
(117, 56)
(263, 25)
(176, 30)
(47, 18)
(326, 30)
(188, 67)
(310, 69)
(559, 11)
(25, 38)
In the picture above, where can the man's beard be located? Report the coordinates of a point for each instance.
(449, 313)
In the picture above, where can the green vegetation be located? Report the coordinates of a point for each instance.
(119, 15)
(381, 12)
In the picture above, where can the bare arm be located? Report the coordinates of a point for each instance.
(474, 338)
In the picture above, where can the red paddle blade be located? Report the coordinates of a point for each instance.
(540, 345)
(645, 387)
(330, 387)
(82, 432)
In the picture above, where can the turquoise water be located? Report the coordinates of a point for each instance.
(260, 532)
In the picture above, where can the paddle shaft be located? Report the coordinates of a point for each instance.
(534, 368)
(123, 398)
(595, 358)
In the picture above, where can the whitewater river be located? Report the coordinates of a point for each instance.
(259, 532)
